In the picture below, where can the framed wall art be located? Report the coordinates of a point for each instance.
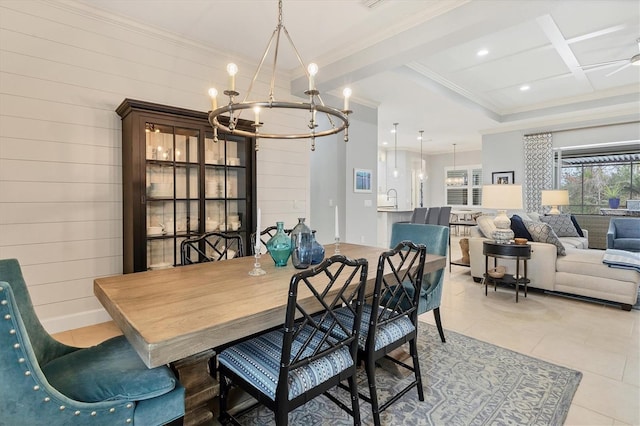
(502, 178)
(361, 180)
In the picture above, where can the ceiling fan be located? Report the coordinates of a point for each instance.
(634, 60)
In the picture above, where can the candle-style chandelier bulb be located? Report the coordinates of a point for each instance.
(313, 70)
(213, 93)
(347, 94)
(232, 69)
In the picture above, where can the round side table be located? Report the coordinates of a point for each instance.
(516, 252)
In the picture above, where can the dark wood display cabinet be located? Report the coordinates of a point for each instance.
(178, 182)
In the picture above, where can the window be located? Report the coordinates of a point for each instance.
(460, 190)
(592, 179)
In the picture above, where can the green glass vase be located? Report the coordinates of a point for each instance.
(279, 246)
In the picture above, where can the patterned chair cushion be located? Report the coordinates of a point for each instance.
(561, 224)
(543, 233)
(257, 361)
(386, 334)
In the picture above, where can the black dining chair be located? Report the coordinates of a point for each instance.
(211, 246)
(433, 215)
(391, 319)
(285, 368)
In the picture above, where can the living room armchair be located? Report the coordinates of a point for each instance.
(624, 234)
(45, 382)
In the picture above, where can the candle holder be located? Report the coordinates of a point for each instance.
(337, 246)
(257, 270)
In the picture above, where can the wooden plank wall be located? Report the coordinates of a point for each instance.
(63, 71)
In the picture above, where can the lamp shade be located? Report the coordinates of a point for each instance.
(555, 197)
(502, 197)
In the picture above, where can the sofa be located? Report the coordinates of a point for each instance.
(624, 234)
(564, 264)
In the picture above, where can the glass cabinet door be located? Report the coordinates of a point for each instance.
(172, 190)
(226, 185)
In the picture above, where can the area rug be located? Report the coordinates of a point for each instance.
(466, 382)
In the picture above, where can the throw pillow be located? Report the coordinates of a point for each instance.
(486, 225)
(523, 215)
(543, 233)
(518, 228)
(535, 216)
(561, 225)
(575, 223)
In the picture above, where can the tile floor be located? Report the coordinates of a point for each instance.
(602, 342)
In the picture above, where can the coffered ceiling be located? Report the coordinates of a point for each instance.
(418, 62)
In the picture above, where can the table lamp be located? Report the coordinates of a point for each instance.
(502, 198)
(555, 198)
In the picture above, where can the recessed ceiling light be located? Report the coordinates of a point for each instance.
(482, 52)
(525, 87)
(384, 143)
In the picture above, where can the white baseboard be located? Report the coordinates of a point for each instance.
(70, 322)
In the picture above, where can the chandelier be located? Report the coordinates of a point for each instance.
(454, 180)
(338, 120)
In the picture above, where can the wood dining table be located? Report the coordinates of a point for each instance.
(180, 315)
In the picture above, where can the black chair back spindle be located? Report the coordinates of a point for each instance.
(212, 246)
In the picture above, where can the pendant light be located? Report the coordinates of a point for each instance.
(454, 180)
(395, 150)
(421, 175)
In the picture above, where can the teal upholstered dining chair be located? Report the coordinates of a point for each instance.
(44, 382)
(436, 238)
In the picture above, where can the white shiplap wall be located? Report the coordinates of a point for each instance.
(63, 71)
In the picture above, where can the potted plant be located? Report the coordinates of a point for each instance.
(613, 194)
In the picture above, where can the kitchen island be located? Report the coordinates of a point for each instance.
(386, 218)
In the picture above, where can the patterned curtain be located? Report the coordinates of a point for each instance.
(538, 169)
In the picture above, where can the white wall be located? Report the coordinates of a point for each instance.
(505, 151)
(332, 167)
(626, 132)
(436, 165)
(361, 153)
(63, 72)
(408, 165)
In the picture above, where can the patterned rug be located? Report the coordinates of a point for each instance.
(466, 382)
